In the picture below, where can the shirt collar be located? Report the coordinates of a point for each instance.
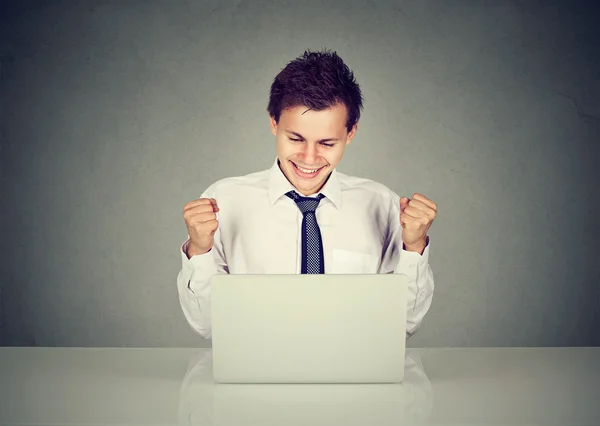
(279, 185)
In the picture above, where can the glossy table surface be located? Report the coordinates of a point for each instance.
(458, 386)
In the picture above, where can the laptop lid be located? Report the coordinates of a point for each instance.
(329, 328)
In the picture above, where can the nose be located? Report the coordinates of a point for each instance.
(310, 153)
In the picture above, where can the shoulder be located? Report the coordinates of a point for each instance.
(368, 188)
(234, 184)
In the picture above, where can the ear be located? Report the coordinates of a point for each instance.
(273, 125)
(352, 134)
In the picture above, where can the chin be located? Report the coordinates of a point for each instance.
(313, 185)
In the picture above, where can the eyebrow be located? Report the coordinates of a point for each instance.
(320, 140)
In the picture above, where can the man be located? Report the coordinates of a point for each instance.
(302, 215)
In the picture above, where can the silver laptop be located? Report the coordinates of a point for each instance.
(327, 328)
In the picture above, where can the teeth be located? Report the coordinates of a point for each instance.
(306, 170)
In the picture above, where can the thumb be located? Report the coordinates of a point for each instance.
(403, 203)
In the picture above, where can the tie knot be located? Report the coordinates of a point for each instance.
(305, 204)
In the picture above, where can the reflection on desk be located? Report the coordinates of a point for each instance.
(442, 386)
(203, 402)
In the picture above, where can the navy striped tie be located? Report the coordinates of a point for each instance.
(312, 245)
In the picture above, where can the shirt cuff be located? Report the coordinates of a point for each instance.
(198, 268)
(410, 260)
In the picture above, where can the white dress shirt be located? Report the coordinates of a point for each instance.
(260, 233)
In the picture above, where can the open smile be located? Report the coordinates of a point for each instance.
(306, 173)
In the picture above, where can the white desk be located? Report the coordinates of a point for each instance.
(555, 386)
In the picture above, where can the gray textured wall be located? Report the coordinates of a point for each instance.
(117, 113)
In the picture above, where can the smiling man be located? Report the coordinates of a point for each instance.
(302, 215)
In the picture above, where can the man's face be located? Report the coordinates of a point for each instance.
(310, 144)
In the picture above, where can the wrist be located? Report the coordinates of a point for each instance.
(418, 247)
(194, 250)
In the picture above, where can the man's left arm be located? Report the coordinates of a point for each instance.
(407, 253)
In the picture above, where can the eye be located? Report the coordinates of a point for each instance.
(295, 140)
(329, 145)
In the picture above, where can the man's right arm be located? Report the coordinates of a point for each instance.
(193, 285)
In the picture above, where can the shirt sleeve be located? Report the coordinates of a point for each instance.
(193, 283)
(414, 265)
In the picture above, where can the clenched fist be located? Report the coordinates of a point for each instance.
(416, 217)
(201, 221)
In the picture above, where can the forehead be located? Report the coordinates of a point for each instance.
(314, 124)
